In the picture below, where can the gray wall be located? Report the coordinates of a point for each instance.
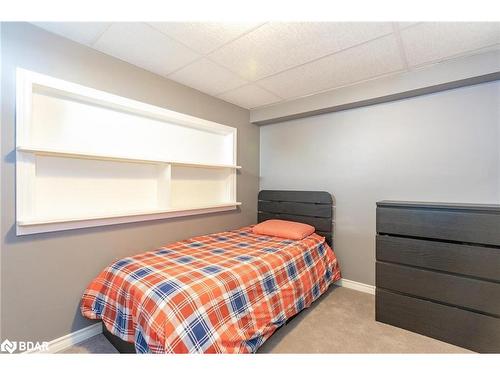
(43, 276)
(439, 147)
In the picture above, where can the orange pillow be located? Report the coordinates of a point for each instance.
(284, 228)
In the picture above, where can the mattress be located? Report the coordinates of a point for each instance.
(220, 293)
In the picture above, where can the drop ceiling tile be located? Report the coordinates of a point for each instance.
(207, 76)
(204, 37)
(434, 41)
(405, 25)
(359, 63)
(277, 46)
(141, 45)
(81, 32)
(249, 96)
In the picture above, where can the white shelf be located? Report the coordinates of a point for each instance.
(86, 158)
(40, 221)
(41, 225)
(82, 155)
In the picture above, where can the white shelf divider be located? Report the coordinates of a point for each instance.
(88, 158)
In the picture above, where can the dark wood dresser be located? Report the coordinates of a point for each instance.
(438, 271)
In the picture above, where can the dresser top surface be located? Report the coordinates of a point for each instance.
(440, 205)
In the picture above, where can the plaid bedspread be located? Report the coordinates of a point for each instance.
(221, 293)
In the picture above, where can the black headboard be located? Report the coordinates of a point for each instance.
(310, 207)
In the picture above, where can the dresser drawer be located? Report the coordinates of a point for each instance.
(478, 295)
(464, 328)
(469, 260)
(472, 226)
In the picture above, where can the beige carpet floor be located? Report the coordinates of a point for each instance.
(341, 321)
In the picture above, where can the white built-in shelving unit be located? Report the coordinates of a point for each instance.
(88, 158)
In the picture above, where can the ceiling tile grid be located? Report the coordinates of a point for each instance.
(259, 64)
(144, 46)
(356, 64)
(435, 41)
(250, 96)
(204, 37)
(206, 76)
(80, 32)
(278, 46)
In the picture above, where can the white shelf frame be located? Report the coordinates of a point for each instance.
(27, 223)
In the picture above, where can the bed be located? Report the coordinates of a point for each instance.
(226, 292)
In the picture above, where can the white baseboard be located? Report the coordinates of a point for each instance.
(71, 339)
(360, 287)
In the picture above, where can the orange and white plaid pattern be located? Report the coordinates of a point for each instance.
(221, 293)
